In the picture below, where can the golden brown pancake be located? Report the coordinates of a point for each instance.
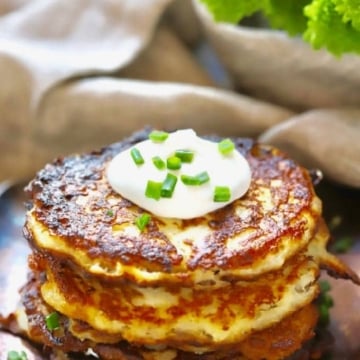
(195, 320)
(190, 319)
(276, 342)
(70, 218)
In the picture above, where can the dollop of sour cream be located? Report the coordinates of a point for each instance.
(229, 170)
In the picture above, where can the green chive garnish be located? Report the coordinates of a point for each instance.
(226, 146)
(14, 355)
(324, 315)
(173, 163)
(222, 194)
(342, 245)
(158, 136)
(189, 180)
(110, 212)
(158, 162)
(324, 286)
(168, 186)
(153, 190)
(136, 156)
(52, 321)
(324, 303)
(203, 177)
(198, 179)
(186, 156)
(328, 301)
(142, 221)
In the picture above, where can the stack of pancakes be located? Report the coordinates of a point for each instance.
(238, 283)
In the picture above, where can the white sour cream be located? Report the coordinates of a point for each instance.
(188, 201)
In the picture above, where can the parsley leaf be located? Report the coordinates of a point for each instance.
(330, 24)
(233, 11)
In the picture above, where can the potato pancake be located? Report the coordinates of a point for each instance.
(76, 215)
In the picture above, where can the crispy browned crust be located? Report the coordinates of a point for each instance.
(57, 188)
(276, 342)
(117, 301)
(329, 262)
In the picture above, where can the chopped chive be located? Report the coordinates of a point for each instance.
(14, 355)
(142, 221)
(168, 186)
(158, 162)
(198, 179)
(226, 146)
(153, 190)
(186, 156)
(136, 156)
(173, 163)
(52, 321)
(203, 177)
(222, 194)
(158, 136)
(110, 212)
(189, 180)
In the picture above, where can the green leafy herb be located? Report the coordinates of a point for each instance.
(324, 286)
(136, 156)
(142, 221)
(327, 28)
(173, 163)
(15, 355)
(330, 24)
(222, 194)
(52, 321)
(350, 11)
(168, 186)
(324, 303)
(186, 156)
(153, 190)
(288, 15)
(234, 10)
(198, 179)
(159, 162)
(342, 245)
(158, 136)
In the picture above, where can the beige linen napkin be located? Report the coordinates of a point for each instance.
(52, 103)
(79, 75)
(327, 139)
(109, 109)
(44, 43)
(270, 65)
(58, 39)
